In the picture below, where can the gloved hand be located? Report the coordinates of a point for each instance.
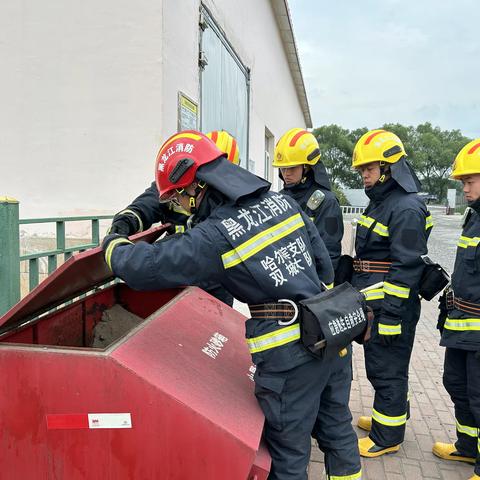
(344, 271)
(124, 224)
(109, 243)
(443, 312)
(364, 337)
(389, 328)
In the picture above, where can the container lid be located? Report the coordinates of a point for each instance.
(79, 274)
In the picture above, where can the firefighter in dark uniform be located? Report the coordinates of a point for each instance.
(459, 321)
(146, 210)
(261, 247)
(391, 239)
(297, 155)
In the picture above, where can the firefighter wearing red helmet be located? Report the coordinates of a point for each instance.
(146, 210)
(261, 247)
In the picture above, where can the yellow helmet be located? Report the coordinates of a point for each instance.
(467, 161)
(226, 143)
(377, 146)
(296, 147)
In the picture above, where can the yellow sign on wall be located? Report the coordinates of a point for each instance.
(187, 113)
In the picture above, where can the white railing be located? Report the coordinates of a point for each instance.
(347, 209)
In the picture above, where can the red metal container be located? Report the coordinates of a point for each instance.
(171, 399)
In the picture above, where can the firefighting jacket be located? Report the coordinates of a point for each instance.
(261, 248)
(149, 210)
(327, 217)
(462, 326)
(394, 229)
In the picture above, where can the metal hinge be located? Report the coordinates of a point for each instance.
(203, 24)
(202, 60)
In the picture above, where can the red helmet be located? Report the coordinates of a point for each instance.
(179, 158)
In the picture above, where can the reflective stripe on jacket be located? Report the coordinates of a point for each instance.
(394, 228)
(462, 329)
(261, 249)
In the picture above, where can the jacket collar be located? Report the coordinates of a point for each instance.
(475, 206)
(298, 190)
(210, 201)
(380, 191)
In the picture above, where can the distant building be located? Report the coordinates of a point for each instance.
(91, 89)
(356, 197)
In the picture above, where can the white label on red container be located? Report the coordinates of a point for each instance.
(214, 345)
(109, 420)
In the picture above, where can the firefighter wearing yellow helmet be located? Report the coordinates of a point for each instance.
(378, 146)
(391, 238)
(297, 156)
(146, 209)
(227, 144)
(467, 162)
(459, 321)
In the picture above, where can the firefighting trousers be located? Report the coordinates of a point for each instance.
(309, 400)
(461, 378)
(387, 371)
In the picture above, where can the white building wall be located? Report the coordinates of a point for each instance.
(81, 99)
(89, 91)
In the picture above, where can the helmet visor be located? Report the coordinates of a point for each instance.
(169, 196)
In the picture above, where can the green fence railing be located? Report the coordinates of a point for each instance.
(10, 257)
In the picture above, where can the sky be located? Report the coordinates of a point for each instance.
(370, 62)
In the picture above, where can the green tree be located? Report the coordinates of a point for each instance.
(430, 150)
(406, 134)
(339, 193)
(336, 147)
(433, 153)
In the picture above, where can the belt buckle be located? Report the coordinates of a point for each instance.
(450, 300)
(365, 265)
(295, 315)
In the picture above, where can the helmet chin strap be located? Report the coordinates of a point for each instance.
(192, 199)
(384, 172)
(306, 169)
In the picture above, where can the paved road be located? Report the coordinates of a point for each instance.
(442, 243)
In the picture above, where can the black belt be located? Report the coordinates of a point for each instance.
(371, 266)
(282, 311)
(462, 305)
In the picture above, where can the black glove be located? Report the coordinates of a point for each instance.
(389, 328)
(443, 312)
(124, 224)
(442, 318)
(365, 336)
(344, 271)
